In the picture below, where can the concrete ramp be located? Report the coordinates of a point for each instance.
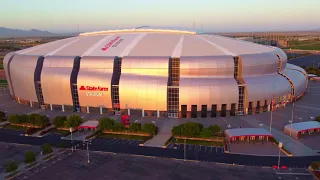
(163, 135)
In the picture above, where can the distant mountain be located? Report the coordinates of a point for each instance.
(6, 33)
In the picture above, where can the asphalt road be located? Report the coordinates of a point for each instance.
(210, 156)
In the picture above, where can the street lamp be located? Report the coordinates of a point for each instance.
(88, 143)
(290, 121)
(71, 139)
(185, 152)
(280, 146)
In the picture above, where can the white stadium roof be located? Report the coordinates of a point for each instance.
(147, 41)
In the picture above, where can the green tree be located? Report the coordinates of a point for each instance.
(106, 124)
(191, 129)
(42, 121)
(32, 118)
(118, 127)
(29, 157)
(59, 121)
(11, 166)
(215, 129)
(135, 127)
(149, 128)
(2, 116)
(176, 131)
(23, 118)
(318, 118)
(46, 148)
(14, 119)
(206, 133)
(73, 121)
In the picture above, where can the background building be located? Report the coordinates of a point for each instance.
(154, 72)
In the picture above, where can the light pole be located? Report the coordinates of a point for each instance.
(88, 143)
(280, 146)
(71, 139)
(292, 116)
(272, 101)
(185, 152)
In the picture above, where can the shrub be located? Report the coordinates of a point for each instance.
(176, 131)
(2, 116)
(59, 121)
(46, 131)
(315, 165)
(135, 127)
(11, 166)
(46, 148)
(106, 124)
(318, 118)
(14, 119)
(73, 121)
(191, 129)
(23, 118)
(31, 118)
(118, 127)
(29, 157)
(149, 128)
(41, 121)
(206, 133)
(215, 129)
(30, 131)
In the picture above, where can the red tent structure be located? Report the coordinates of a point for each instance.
(92, 124)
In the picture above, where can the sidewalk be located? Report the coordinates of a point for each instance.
(163, 135)
(292, 145)
(22, 166)
(4, 123)
(38, 133)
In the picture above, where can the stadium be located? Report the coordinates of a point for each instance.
(154, 72)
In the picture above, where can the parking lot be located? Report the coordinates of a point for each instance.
(112, 141)
(14, 152)
(196, 148)
(70, 166)
(32, 172)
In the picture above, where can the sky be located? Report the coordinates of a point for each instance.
(62, 16)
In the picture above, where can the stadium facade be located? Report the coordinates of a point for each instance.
(154, 72)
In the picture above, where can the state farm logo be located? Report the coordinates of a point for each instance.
(109, 44)
(93, 88)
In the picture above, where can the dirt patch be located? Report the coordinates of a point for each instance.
(2, 74)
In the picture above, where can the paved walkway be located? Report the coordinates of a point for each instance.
(38, 133)
(163, 135)
(4, 123)
(37, 111)
(79, 136)
(292, 145)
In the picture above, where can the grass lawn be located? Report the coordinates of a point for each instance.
(195, 142)
(12, 127)
(61, 132)
(120, 136)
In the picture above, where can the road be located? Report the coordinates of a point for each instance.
(6, 136)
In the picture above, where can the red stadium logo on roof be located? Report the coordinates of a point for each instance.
(109, 44)
(93, 88)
